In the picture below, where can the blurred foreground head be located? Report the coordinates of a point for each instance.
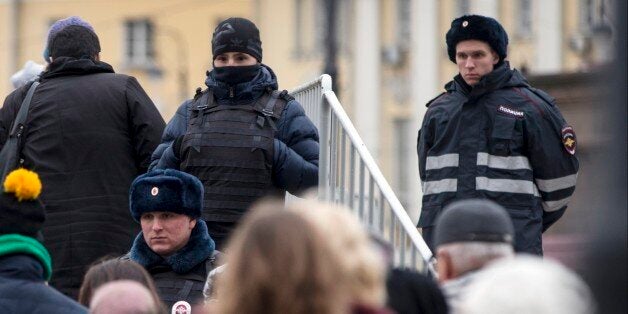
(123, 297)
(302, 257)
(108, 270)
(527, 284)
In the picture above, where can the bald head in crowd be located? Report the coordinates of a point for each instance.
(123, 297)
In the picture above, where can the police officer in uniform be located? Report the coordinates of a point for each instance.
(174, 246)
(491, 135)
(241, 137)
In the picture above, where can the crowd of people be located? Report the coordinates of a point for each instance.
(122, 213)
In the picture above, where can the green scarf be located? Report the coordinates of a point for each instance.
(15, 243)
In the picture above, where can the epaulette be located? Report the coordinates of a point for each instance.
(543, 95)
(432, 100)
(285, 95)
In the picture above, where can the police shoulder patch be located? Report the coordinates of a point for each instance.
(569, 139)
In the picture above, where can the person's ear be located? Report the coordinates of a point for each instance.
(192, 223)
(495, 57)
(444, 266)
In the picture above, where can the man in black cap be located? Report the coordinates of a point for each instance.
(25, 264)
(173, 246)
(241, 137)
(468, 235)
(491, 135)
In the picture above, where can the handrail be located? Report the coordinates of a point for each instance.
(334, 125)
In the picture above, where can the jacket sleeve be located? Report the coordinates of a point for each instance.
(555, 169)
(296, 149)
(146, 123)
(9, 110)
(164, 157)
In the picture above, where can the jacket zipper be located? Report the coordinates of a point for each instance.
(231, 92)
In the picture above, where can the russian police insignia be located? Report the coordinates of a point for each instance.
(569, 139)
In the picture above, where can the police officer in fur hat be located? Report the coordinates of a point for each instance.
(492, 135)
(25, 264)
(174, 245)
(242, 137)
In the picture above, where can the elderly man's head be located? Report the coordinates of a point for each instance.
(469, 234)
(167, 203)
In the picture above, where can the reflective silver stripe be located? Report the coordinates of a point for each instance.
(505, 185)
(551, 206)
(442, 161)
(557, 184)
(440, 186)
(499, 162)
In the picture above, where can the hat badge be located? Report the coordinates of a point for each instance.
(154, 191)
(465, 23)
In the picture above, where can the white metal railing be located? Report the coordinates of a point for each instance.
(348, 175)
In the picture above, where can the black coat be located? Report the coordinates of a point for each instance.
(501, 140)
(23, 290)
(89, 133)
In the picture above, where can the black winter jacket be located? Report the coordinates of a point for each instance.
(23, 289)
(295, 165)
(181, 276)
(89, 133)
(501, 140)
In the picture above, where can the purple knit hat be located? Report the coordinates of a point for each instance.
(61, 24)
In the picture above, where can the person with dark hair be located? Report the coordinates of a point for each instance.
(492, 135)
(89, 132)
(25, 264)
(113, 269)
(173, 246)
(242, 137)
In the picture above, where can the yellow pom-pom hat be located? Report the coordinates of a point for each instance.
(21, 211)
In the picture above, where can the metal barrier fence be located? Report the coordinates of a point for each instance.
(348, 175)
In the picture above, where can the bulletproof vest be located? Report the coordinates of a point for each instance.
(230, 149)
(173, 287)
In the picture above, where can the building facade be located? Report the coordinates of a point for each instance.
(391, 54)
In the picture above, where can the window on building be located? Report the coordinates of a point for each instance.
(309, 28)
(593, 14)
(403, 152)
(140, 44)
(404, 25)
(462, 7)
(524, 14)
(298, 49)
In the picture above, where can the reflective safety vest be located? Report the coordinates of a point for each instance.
(230, 149)
(173, 287)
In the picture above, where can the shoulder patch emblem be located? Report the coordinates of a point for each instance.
(569, 139)
(510, 111)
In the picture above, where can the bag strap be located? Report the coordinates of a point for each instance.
(23, 112)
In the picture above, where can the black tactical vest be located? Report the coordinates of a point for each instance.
(230, 149)
(173, 287)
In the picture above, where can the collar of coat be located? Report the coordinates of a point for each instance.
(16, 244)
(243, 92)
(198, 249)
(65, 66)
(500, 77)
